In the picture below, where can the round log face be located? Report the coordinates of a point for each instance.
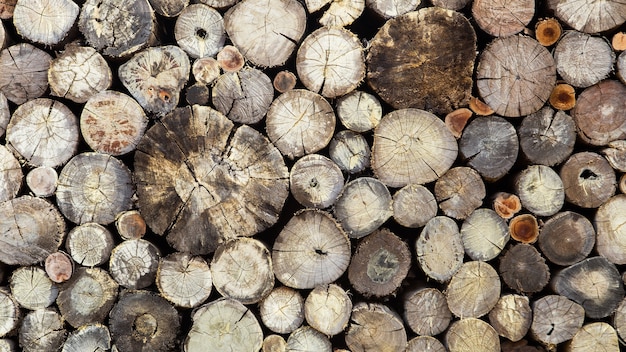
(584, 15)
(206, 181)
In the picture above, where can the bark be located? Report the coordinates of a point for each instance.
(42, 181)
(89, 244)
(11, 175)
(459, 192)
(350, 151)
(45, 21)
(375, 327)
(583, 60)
(93, 337)
(484, 234)
(471, 334)
(439, 248)
(547, 137)
(473, 290)
(511, 317)
(133, 263)
(42, 331)
(32, 289)
(243, 96)
(426, 311)
(184, 280)
(502, 19)
(315, 181)
(282, 311)
(410, 198)
(567, 238)
(541, 190)
(363, 206)
(199, 31)
(588, 180)
(327, 309)
(523, 269)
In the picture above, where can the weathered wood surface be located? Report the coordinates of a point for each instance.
(79, 73)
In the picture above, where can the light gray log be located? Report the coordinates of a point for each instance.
(375, 327)
(133, 263)
(89, 244)
(547, 136)
(45, 21)
(25, 72)
(42, 331)
(413, 206)
(473, 290)
(439, 248)
(199, 31)
(350, 151)
(282, 311)
(583, 60)
(540, 190)
(243, 96)
(363, 206)
(327, 308)
(184, 280)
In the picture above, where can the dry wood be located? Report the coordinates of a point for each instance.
(490, 146)
(32, 289)
(94, 187)
(511, 317)
(282, 311)
(375, 327)
(588, 180)
(515, 75)
(274, 343)
(205, 70)
(350, 151)
(184, 280)
(87, 297)
(243, 96)
(230, 59)
(339, 13)
(563, 97)
(456, 121)
(425, 344)
(471, 334)
(331, 62)
(622, 184)
(502, 19)
(389, 9)
(594, 283)
(133, 263)
(59, 267)
(199, 31)
(596, 336)
(567, 238)
(439, 248)
(619, 319)
(615, 154)
(130, 225)
(89, 244)
(547, 137)
(155, 77)
(583, 60)
(44, 132)
(25, 72)
(618, 42)
(118, 28)
(197, 94)
(7, 345)
(548, 31)
(523, 269)
(411, 46)
(524, 228)
(11, 175)
(42, 181)
(9, 311)
(608, 222)
(479, 107)
(459, 192)
(205, 181)
(45, 21)
(300, 122)
(169, 8)
(310, 250)
(484, 234)
(426, 311)
(586, 16)
(315, 181)
(359, 111)
(412, 146)
(92, 337)
(540, 190)
(31, 229)
(308, 339)
(217, 4)
(506, 204)
(5, 113)
(556, 319)
(6, 8)
(327, 309)
(621, 67)
(414, 206)
(142, 320)
(42, 331)
(363, 206)
(598, 113)
(284, 81)
(266, 32)
(473, 290)
(224, 324)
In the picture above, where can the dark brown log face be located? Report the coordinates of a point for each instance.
(567, 238)
(436, 46)
(523, 269)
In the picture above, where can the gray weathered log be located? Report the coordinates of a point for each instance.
(556, 319)
(588, 180)
(24, 72)
(282, 311)
(503, 19)
(45, 21)
(547, 136)
(375, 327)
(523, 269)
(363, 206)
(89, 244)
(350, 151)
(327, 308)
(413, 206)
(439, 248)
(586, 16)
(32, 289)
(200, 31)
(583, 60)
(243, 96)
(608, 222)
(42, 331)
(598, 113)
(567, 238)
(315, 181)
(459, 192)
(184, 280)
(133, 263)
(426, 311)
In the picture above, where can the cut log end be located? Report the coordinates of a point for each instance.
(563, 97)
(548, 31)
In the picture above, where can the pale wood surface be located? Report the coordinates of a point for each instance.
(184, 280)
(350, 151)
(471, 334)
(588, 180)
(359, 111)
(169, 8)
(42, 330)
(408, 200)
(375, 327)
(484, 234)
(389, 9)
(426, 311)
(327, 308)
(315, 181)
(282, 311)
(92, 337)
(439, 248)
(230, 59)
(473, 290)
(425, 344)
(308, 339)
(45, 21)
(59, 267)
(5, 113)
(274, 343)
(11, 175)
(615, 154)
(42, 181)
(32, 289)
(608, 221)
(502, 19)
(133, 263)
(340, 13)
(9, 311)
(511, 317)
(89, 244)
(583, 60)
(200, 31)
(363, 206)
(243, 96)
(586, 15)
(556, 319)
(205, 70)
(598, 336)
(541, 190)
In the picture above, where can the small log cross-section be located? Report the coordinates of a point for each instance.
(511, 317)
(363, 206)
(184, 280)
(134, 263)
(470, 335)
(459, 192)
(315, 181)
(567, 238)
(199, 31)
(435, 45)
(583, 60)
(410, 198)
(524, 228)
(484, 234)
(206, 181)
(359, 111)
(89, 244)
(10, 312)
(439, 248)
(375, 327)
(328, 309)
(92, 337)
(474, 290)
(547, 136)
(350, 151)
(42, 181)
(588, 180)
(541, 190)
(556, 319)
(426, 311)
(45, 21)
(282, 311)
(243, 96)
(24, 72)
(523, 269)
(610, 240)
(32, 289)
(42, 330)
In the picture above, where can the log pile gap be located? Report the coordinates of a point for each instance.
(312, 175)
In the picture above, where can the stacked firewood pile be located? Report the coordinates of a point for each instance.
(316, 175)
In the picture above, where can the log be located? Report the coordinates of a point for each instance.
(459, 192)
(457, 120)
(45, 21)
(274, 343)
(586, 16)
(380, 264)
(310, 250)
(523, 269)
(479, 107)
(33, 216)
(503, 19)
(42, 181)
(588, 179)
(224, 324)
(6, 8)
(412, 146)
(32, 289)
(189, 185)
(426, 311)
(284, 81)
(315, 181)
(169, 8)
(42, 330)
(375, 327)
(596, 336)
(363, 206)
(410, 198)
(615, 154)
(184, 280)
(113, 123)
(282, 310)
(338, 13)
(133, 263)
(439, 248)
(412, 45)
(94, 187)
(59, 267)
(515, 75)
(130, 225)
(327, 309)
(621, 67)
(155, 77)
(598, 113)
(217, 4)
(197, 94)
(142, 320)
(11, 175)
(199, 31)
(594, 283)
(243, 96)
(25, 72)
(563, 97)
(205, 70)
(7, 345)
(266, 32)
(583, 60)
(300, 122)
(506, 204)
(425, 344)
(331, 62)
(524, 228)
(540, 190)
(93, 337)
(484, 234)
(471, 334)
(308, 339)
(230, 59)
(5, 113)
(44, 132)
(618, 41)
(118, 28)
(87, 297)
(622, 184)
(548, 31)
(566, 238)
(511, 317)
(350, 151)
(547, 137)
(388, 9)
(89, 244)
(359, 111)
(610, 233)
(556, 319)
(10, 311)
(473, 290)
(619, 319)
(490, 146)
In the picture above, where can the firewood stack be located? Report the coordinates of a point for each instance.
(284, 175)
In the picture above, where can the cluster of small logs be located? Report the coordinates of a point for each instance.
(312, 175)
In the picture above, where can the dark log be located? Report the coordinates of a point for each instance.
(327, 309)
(45, 21)
(556, 319)
(586, 16)
(42, 331)
(414, 206)
(588, 180)
(184, 280)
(503, 19)
(473, 290)
(32, 289)
(567, 238)
(350, 151)
(511, 317)
(540, 190)
(363, 206)
(133, 263)
(282, 311)
(197, 94)
(200, 31)
(24, 72)
(315, 181)
(547, 137)
(89, 244)
(426, 311)
(375, 327)
(583, 60)
(484, 234)
(523, 269)
(459, 192)
(243, 96)
(439, 248)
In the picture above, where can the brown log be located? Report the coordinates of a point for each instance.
(308, 339)
(524, 228)
(359, 111)
(414, 206)
(479, 107)
(327, 309)
(11, 176)
(350, 151)
(501, 19)
(410, 46)
(375, 327)
(133, 263)
(32, 289)
(506, 204)
(59, 267)
(92, 337)
(618, 41)
(169, 8)
(547, 137)
(363, 206)
(456, 121)
(184, 280)
(230, 59)
(42, 181)
(585, 16)
(6, 8)
(25, 72)
(243, 96)
(567, 238)
(473, 290)
(315, 181)
(130, 225)
(511, 317)
(540, 189)
(426, 311)
(284, 81)
(42, 330)
(282, 310)
(608, 223)
(588, 180)
(10, 312)
(523, 269)
(89, 244)
(471, 334)
(548, 31)
(459, 192)
(583, 60)
(439, 248)
(556, 319)
(45, 21)
(596, 336)
(563, 97)
(484, 234)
